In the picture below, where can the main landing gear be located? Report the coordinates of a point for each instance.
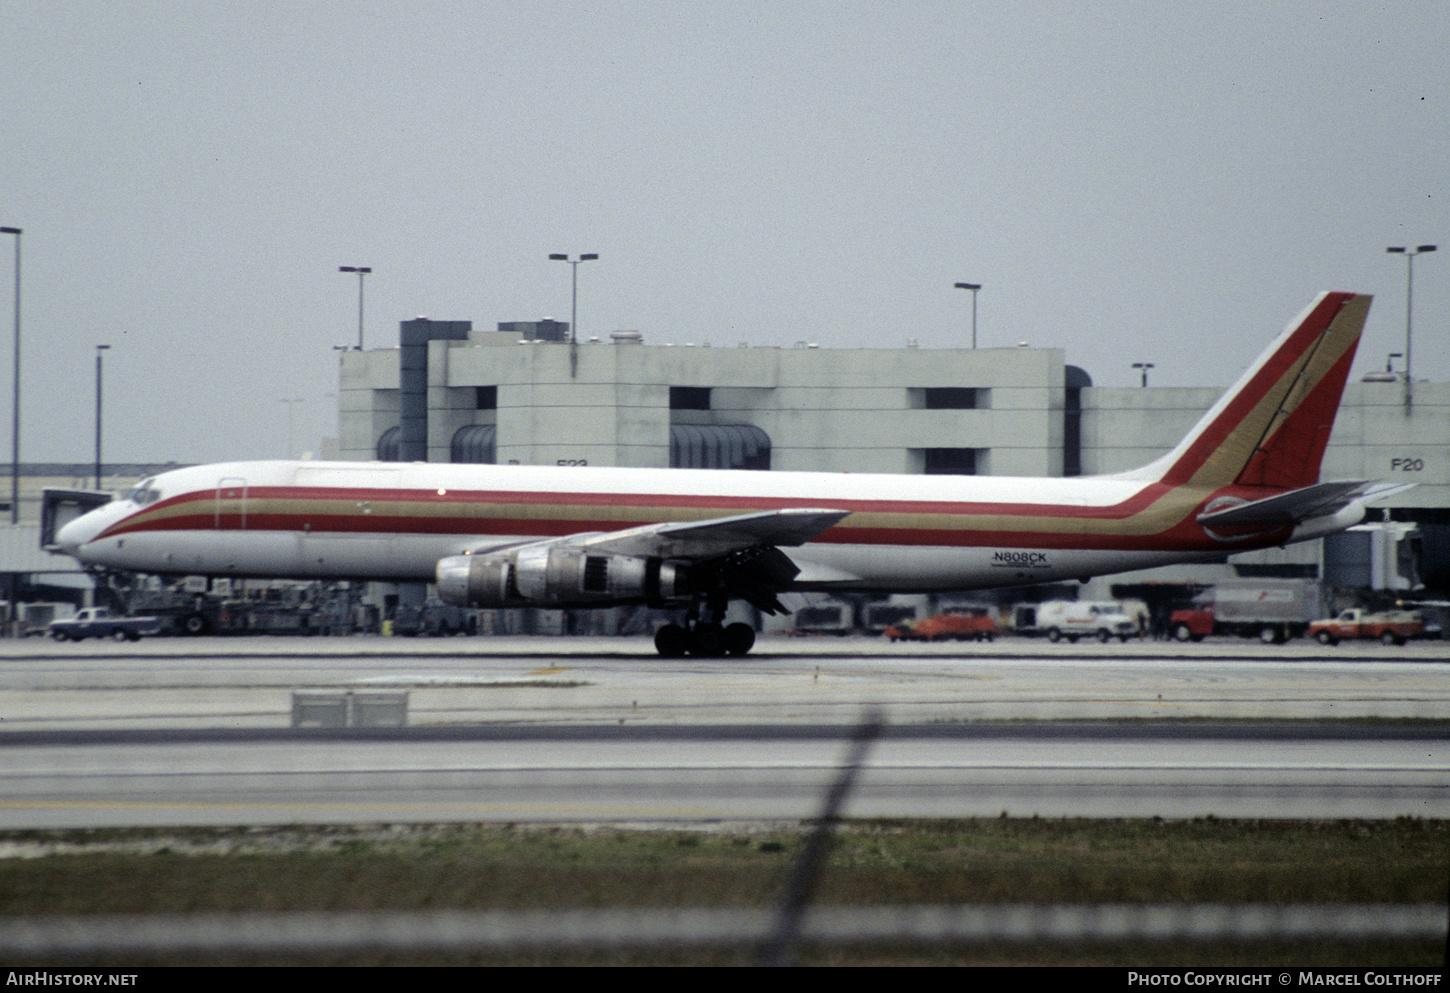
(707, 638)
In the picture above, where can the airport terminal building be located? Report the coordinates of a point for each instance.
(523, 393)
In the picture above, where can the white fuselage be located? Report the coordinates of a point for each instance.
(396, 521)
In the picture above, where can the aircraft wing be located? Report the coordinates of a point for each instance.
(742, 552)
(714, 538)
(737, 557)
(1298, 506)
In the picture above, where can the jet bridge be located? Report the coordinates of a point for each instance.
(59, 507)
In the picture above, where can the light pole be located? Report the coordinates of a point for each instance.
(341, 351)
(361, 271)
(290, 434)
(1409, 254)
(15, 409)
(574, 307)
(100, 350)
(1145, 366)
(974, 287)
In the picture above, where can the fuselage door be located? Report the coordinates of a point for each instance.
(231, 504)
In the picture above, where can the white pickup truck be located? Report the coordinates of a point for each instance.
(97, 622)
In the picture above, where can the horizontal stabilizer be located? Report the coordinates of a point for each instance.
(1297, 506)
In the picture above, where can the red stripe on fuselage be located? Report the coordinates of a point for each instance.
(162, 516)
(169, 515)
(682, 501)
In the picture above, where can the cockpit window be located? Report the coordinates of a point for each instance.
(143, 493)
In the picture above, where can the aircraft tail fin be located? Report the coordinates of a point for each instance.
(1272, 427)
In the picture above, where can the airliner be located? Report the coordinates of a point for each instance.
(1245, 477)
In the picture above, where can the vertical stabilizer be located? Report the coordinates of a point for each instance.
(1271, 428)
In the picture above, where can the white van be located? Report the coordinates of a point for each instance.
(1074, 619)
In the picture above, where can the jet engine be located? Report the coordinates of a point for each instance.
(553, 574)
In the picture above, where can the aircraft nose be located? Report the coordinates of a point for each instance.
(73, 536)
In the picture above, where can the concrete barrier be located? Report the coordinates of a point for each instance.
(344, 708)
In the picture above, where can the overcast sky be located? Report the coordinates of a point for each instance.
(1130, 181)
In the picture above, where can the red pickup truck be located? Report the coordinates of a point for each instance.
(960, 625)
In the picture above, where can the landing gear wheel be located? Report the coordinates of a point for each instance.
(707, 641)
(671, 641)
(704, 633)
(738, 638)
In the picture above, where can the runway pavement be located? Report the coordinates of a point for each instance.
(249, 682)
(175, 732)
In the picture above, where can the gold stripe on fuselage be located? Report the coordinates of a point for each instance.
(1168, 509)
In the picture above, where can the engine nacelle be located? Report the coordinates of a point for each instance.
(557, 575)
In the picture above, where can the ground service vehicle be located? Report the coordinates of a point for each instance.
(958, 624)
(1272, 610)
(1393, 627)
(97, 622)
(33, 619)
(1074, 619)
(825, 618)
(877, 617)
(434, 619)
